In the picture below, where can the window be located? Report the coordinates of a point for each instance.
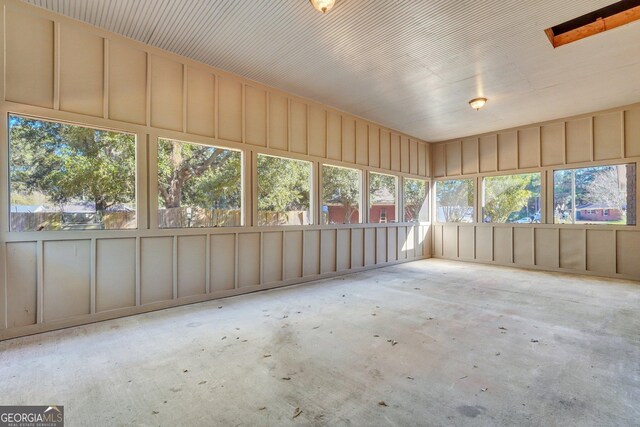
(455, 200)
(340, 195)
(382, 198)
(284, 191)
(511, 198)
(67, 177)
(198, 185)
(595, 195)
(416, 202)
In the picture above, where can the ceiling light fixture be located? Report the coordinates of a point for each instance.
(323, 6)
(477, 103)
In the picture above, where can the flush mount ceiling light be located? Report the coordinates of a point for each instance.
(477, 103)
(323, 6)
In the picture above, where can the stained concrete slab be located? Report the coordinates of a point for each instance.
(474, 345)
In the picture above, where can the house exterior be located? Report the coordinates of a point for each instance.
(594, 212)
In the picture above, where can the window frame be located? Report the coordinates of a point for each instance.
(550, 204)
(396, 196)
(139, 162)
(427, 184)
(155, 207)
(482, 199)
(313, 189)
(361, 201)
(474, 192)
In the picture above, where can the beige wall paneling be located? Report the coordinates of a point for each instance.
(156, 269)
(200, 102)
(381, 245)
(392, 244)
(413, 156)
(466, 245)
(601, 251)
(248, 259)
(66, 279)
(311, 252)
(81, 72)
(192, 265)
(422, 159)
(29, 78)
(523, 251)
(578, 137)
(328, 245)
(348, 139)
(572, 249)
(293, 254)
(426, 242)
(470, 156)
(450, 241)
(229, 109)
(507, 151)
(428, 160)
(502, 245)
(115, 274)
(357, 247)
(395, 152)
(278, 121)
(484, 243)
(22, 284)
(437, 240)
(632, 132)
(272, 250)
(552, 144)
(439, 166)
(488, 151)
(343, 250)
(404, 154)
(369, 246)
(385, 149)
(454, 158)
(529, 148)
(402, 243)
(222, 258)
(127, 83)
(374, 146)
(298, 123)
(317, 131)
(167, 85)
(255, 110)
(547, 241)
(362, 142)
(627, 244)
(607, 136)
(334, 136)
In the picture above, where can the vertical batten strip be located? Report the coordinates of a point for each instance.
(185, 88)
(207, 266)
(56, 65)
(261, 266)
(216, 107)
(92, 289)
(105, 79)
(236, 260)
(174, 269)
(138, 269)
(40, 281)
(243, 113)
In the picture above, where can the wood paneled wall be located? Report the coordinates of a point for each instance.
(608, 137)
(63, 70)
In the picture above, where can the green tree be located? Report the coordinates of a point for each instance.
(506, 195)
(71, 163)
(283, 184)
(198, 175)
(415, 193)
(341, 186)
(454, 200)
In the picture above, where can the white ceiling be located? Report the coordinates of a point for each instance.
(411, 65)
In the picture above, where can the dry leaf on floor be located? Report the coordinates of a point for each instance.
(297, 412)
(382, 403)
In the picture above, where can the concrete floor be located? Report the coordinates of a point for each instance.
(439, 342)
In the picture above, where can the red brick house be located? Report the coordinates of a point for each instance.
(595, 212)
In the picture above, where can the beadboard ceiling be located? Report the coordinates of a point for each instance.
(410, 65)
